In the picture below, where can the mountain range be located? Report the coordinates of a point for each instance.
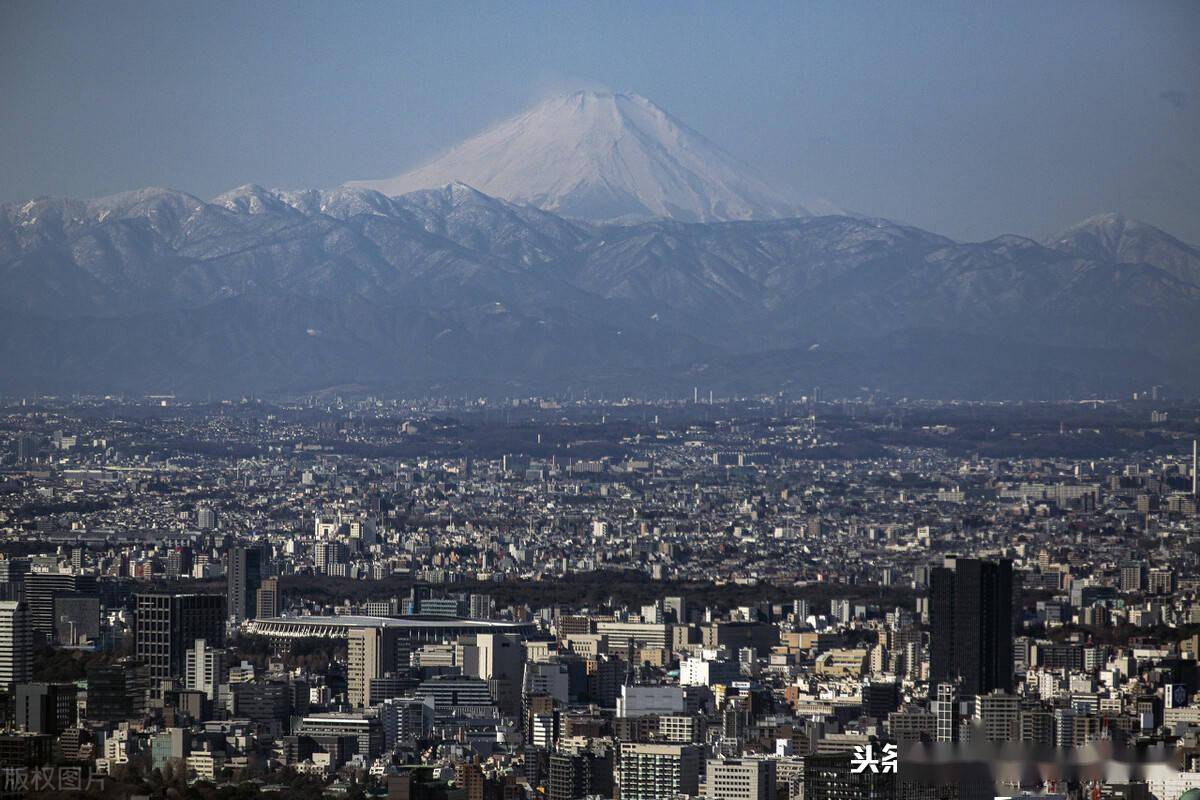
(687, 273)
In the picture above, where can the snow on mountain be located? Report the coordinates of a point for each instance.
(605, 157)
(1114, 237)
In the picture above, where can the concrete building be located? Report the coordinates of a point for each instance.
(370, 653)
(739, 779)
(16, 649)
(655, 771)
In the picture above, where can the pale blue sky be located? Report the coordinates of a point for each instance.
(970, 118)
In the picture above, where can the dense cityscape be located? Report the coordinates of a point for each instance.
(777, 597)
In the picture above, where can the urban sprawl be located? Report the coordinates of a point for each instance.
(779, 597)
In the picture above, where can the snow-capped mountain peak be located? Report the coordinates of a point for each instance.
(604, 156)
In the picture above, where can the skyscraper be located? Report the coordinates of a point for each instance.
(40, 590)
(370, 653)
(268, 599)
(28, 447)
(244, 573)
(167, 625)
(970, 610)
(205, 668)
(1195, 467)
(16, 649)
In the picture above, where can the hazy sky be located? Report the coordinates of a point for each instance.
(969, 118)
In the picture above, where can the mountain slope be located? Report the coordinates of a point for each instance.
(451, 290)
(601, 156)
(1113, 237)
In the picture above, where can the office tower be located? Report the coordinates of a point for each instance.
(1195, 468)
(206, 518)
(912, 724)
(28, 447)
(40, 590)
(480, 606)
(327, 554)
(179, 562)
(12, 577)
(676, 610)
(654, 771)
(363, 732)
(945, 711)
(267, 604)
(740, 779)
(168, 624)
(582, 774)
(45, 707)
(263, 702)
(370, 653)
(1000, 716)
(800, 609)
(879, 699)
(832, 777)
(470, 779)
(407, 721)
(500, 656)
(76, 618)
(244, 574)
(108, 693)
(970, 608)
(205, 668)
(16, 648)
(1134, 576)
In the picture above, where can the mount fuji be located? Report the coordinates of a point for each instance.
(606, 157)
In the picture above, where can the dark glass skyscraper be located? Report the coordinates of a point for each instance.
(167, 625)
(244, 571)
(970, 620)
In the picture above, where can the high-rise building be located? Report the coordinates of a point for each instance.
(205, 668)
(1195, 467)
(328, 554)
(945, 711)
(480, 606)
(370, 653)
(40, 591)
(179, 562)
(912, 724)
(244, 574)
(29, 447)
(76, 617)
(675, 609)
(740, 779)
(206, 518)
(168, 624)
(582, 774)
(1134, 575)
(45, 707)
(999, 716)
(268, 599)
(831, 776)
(970, 610)
(653, 771)
(16, 649)
(470, 779)
(880, 698)
(406, 721)
(108, 693)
